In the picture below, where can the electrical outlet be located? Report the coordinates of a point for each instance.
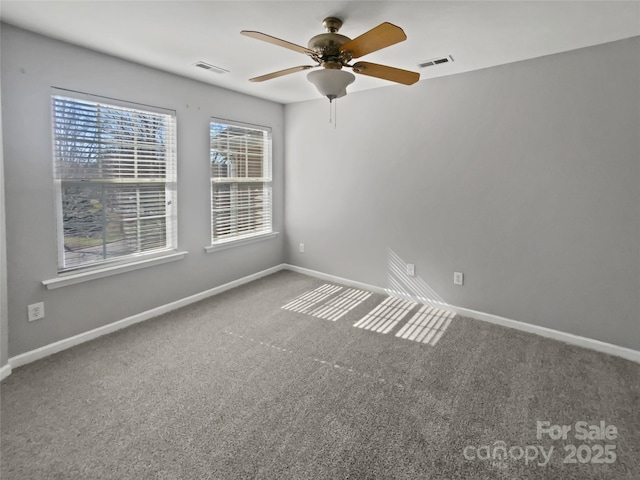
(458, 278)
(36, 311)
(411, 269)
(302, 248)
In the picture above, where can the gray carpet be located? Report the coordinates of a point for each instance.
(237, 387)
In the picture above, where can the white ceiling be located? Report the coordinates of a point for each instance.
(173, 35)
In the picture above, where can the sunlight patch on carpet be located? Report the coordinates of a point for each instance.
(385, 316)
(308, 300)
(427, 325)
(323, 302)
(337, 307)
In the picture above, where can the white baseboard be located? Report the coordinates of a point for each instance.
(570, 338)
(56, 347)
(623, 352)
(5, 371)
(333, 278)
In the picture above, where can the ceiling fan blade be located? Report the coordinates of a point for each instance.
(379, 37)
(277, 41)
(387, 73)
(280, 73)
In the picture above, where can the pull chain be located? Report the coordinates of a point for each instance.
(335, 113)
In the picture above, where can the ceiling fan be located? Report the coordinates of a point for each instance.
(333, 51)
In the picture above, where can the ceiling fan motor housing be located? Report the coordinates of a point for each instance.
(327, 45)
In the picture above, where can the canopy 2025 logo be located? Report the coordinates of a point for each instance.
(499, 454)
(583, 431)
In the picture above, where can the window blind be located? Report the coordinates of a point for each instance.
(241, 202)
(115, 168)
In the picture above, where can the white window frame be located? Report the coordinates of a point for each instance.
(264, 229)
(140, 257)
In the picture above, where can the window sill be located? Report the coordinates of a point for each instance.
(73, 278)
(236, 243)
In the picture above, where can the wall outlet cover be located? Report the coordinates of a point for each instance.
(35, 311)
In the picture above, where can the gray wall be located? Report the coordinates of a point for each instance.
(31, 65)
(525, 177)
(4, 312)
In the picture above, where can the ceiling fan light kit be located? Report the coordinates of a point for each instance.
(331, 83)
(333, 51)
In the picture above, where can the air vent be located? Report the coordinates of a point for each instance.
(211, 68)
(435, 61)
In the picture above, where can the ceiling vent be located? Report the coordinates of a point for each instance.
(435, 61)
(211, 68)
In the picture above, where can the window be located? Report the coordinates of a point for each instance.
(115, 173)
(240, 181)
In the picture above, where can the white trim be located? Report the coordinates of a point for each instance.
(236, 243)
(597, 345)
(5, 371)
(333, 278)
(569, 338)
(73, 278)
(56, 347)
(115, 102)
